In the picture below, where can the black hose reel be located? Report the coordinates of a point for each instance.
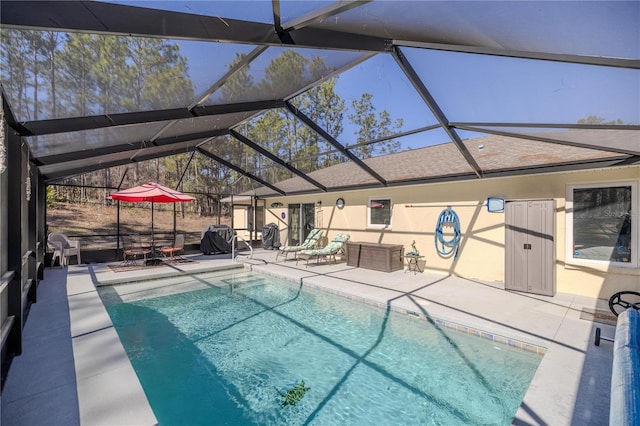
(619, 302)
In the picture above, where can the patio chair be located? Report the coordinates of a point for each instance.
(64, 248)
(309, 243)
(56, 248)
(132, 250)
(177, 247)
(328, 252)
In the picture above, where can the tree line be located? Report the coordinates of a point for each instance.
(57, 75)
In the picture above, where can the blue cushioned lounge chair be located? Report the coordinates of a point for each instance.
(329, 252)
(309, 243)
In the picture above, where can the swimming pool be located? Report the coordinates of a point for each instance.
(222, 348)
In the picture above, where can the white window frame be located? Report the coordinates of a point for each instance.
(379, 226)
(635, 203)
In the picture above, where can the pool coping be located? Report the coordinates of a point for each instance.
(538, 398)
(570, 386)
(377, 304)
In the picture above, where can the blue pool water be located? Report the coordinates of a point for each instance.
(219, 354)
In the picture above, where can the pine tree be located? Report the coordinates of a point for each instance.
(372, 127)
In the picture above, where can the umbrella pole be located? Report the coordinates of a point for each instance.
(153, 236)
(152, 261)
(174, 221)
(117, 228)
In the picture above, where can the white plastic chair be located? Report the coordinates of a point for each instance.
(64, 248)
(56, 248)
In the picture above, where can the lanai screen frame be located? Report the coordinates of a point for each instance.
(598, 34)
(311, 31)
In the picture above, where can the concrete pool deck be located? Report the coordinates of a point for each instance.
(74, 371)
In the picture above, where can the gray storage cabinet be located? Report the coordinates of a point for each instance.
(530, 254)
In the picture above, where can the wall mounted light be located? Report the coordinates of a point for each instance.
(495, 204)
(340, 203)
(276, 205)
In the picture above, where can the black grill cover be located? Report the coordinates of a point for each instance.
(270, 237)
(217, 239)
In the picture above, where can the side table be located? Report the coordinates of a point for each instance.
(412, 263)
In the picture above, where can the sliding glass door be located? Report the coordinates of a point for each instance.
(301, 222)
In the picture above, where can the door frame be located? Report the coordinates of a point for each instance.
(306, 211)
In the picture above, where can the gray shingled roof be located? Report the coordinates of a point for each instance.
(493, 153)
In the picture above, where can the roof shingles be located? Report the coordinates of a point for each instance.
(492, 153)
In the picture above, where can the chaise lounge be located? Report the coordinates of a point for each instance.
(328, 252)
(309, 243)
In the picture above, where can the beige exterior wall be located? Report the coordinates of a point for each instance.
(240, 217)
(482, 256)
(242, 221)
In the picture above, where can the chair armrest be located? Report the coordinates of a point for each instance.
(54, 246)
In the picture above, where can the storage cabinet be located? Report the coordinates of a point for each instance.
(379, 257)
(530, 247)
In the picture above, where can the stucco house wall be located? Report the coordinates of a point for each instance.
(482, 251)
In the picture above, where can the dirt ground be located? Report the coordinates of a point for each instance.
(97, 225)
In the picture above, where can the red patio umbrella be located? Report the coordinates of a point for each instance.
(153, 192)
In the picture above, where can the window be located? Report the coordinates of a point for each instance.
(379, 213)
(602, 224)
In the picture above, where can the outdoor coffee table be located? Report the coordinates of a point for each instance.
(154, 247)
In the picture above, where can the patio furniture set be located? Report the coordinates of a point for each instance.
(133, 249)
(380, 257)
(151, 252)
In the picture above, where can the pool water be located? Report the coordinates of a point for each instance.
(225, 351)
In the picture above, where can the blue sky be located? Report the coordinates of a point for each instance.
(467, 87)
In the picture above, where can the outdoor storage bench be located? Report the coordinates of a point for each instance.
(379, 257)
